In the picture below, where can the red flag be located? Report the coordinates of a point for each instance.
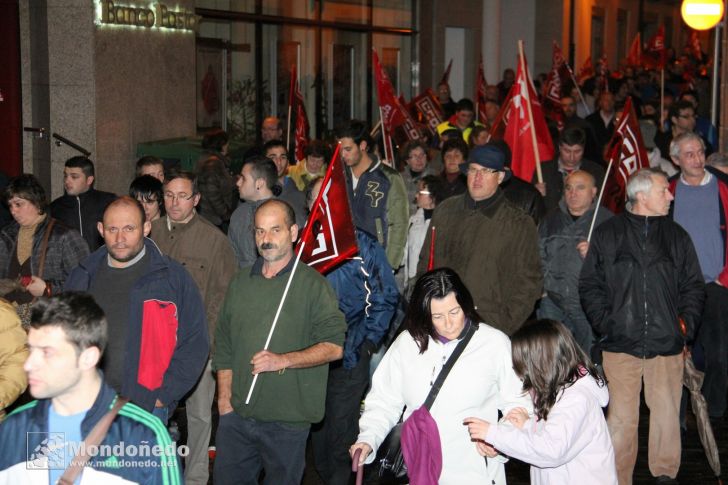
(655, 51)
(329, 233)
(634, 56)
(480, 85)
(431, 262)
(552, 88)
(694, 45)
(297, 106)
(518, 126)
(446, 75)
(586, 71)
(627, 155)
(428, 109)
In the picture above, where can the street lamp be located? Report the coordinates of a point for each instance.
(702, 14)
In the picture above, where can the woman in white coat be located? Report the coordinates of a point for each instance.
(481, 382)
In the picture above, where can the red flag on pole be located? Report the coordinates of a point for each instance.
(655, 51)
(446, 75)
(627, 155)
(586, 71)
(428, 109)
(431, 261)
(694, 45)
(480, 85)
(552, 88)
(519, 126)
(328, 238)
(297, 106)
(634, 56)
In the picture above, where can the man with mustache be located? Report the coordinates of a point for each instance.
(270, 431)
(158, 342)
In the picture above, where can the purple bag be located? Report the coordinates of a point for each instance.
(421, 447)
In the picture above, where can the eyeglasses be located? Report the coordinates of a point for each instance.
(176, 197)
(424, 192)
(484, 171)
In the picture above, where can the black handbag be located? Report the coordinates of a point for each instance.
(389, 463)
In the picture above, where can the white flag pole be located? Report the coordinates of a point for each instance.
(278, 313)
(599, 200)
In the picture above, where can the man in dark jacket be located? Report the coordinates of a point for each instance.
(82, 207)
(489, 242)
(158, 341)
(642, 290)
(563, 246)
(367, 295)
(701, 207)
(38, 441)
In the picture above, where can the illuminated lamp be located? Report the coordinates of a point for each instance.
(702, 14)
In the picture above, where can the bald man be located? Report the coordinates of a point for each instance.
(158, 342)
(563, 246)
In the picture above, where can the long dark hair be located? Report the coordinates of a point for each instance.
(548, 359)
(437, 283)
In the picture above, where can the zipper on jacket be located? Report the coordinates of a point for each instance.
(80, 219)
(644, 286)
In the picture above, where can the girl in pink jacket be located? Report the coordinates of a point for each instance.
(567, 441)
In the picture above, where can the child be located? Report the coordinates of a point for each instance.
(567, 442)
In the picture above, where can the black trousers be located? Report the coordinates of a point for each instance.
(713, 338)
(332, 437)
(245, 446)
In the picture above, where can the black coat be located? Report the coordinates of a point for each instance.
(82, 212)
(640, 277)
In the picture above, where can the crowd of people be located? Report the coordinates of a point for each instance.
(507, 328)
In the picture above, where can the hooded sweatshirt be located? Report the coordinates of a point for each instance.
(572, 446)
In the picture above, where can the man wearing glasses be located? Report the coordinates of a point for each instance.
(682, 120)
(205, 251)
(490, 243)
(158, 340)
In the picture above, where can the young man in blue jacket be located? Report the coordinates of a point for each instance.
(38, 441)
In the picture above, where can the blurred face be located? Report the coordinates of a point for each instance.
(656, 202)
(568, 106)
(23, 211)
(579, 192)
(75, 182)
(151, 208)
(269, 130)
(483, 182)
(279, 155)
(606, 102)
(246, 183)
(481, 139)
(423, 198)
(464, 118)
(491, 92)
(179, 201)
(314, 164)
(453, 159)
(272, 236)
(351, 153)
(491, 111)
(156, 171)
(685, 121)
(314, 193)
(691, 159)
(53, 367)
(417, 160)
(123, 233)
(509, 77)
(571, 155)
(443, 92)
(447, 316)
(691, 99)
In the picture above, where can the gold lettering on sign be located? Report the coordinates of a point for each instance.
(159, 17)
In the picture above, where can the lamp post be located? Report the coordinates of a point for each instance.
(704, 15)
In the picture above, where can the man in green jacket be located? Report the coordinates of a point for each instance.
(270, 430)
(489, 242)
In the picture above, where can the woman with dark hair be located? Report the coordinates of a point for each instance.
(149, 191)
(480, 383)
(567, 440)
(36, 251)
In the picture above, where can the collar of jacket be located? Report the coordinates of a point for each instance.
(157, 260)
(639, 220)
(178, 227)
(487, 206)
(589, 212)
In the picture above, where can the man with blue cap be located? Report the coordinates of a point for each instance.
(489, 242)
